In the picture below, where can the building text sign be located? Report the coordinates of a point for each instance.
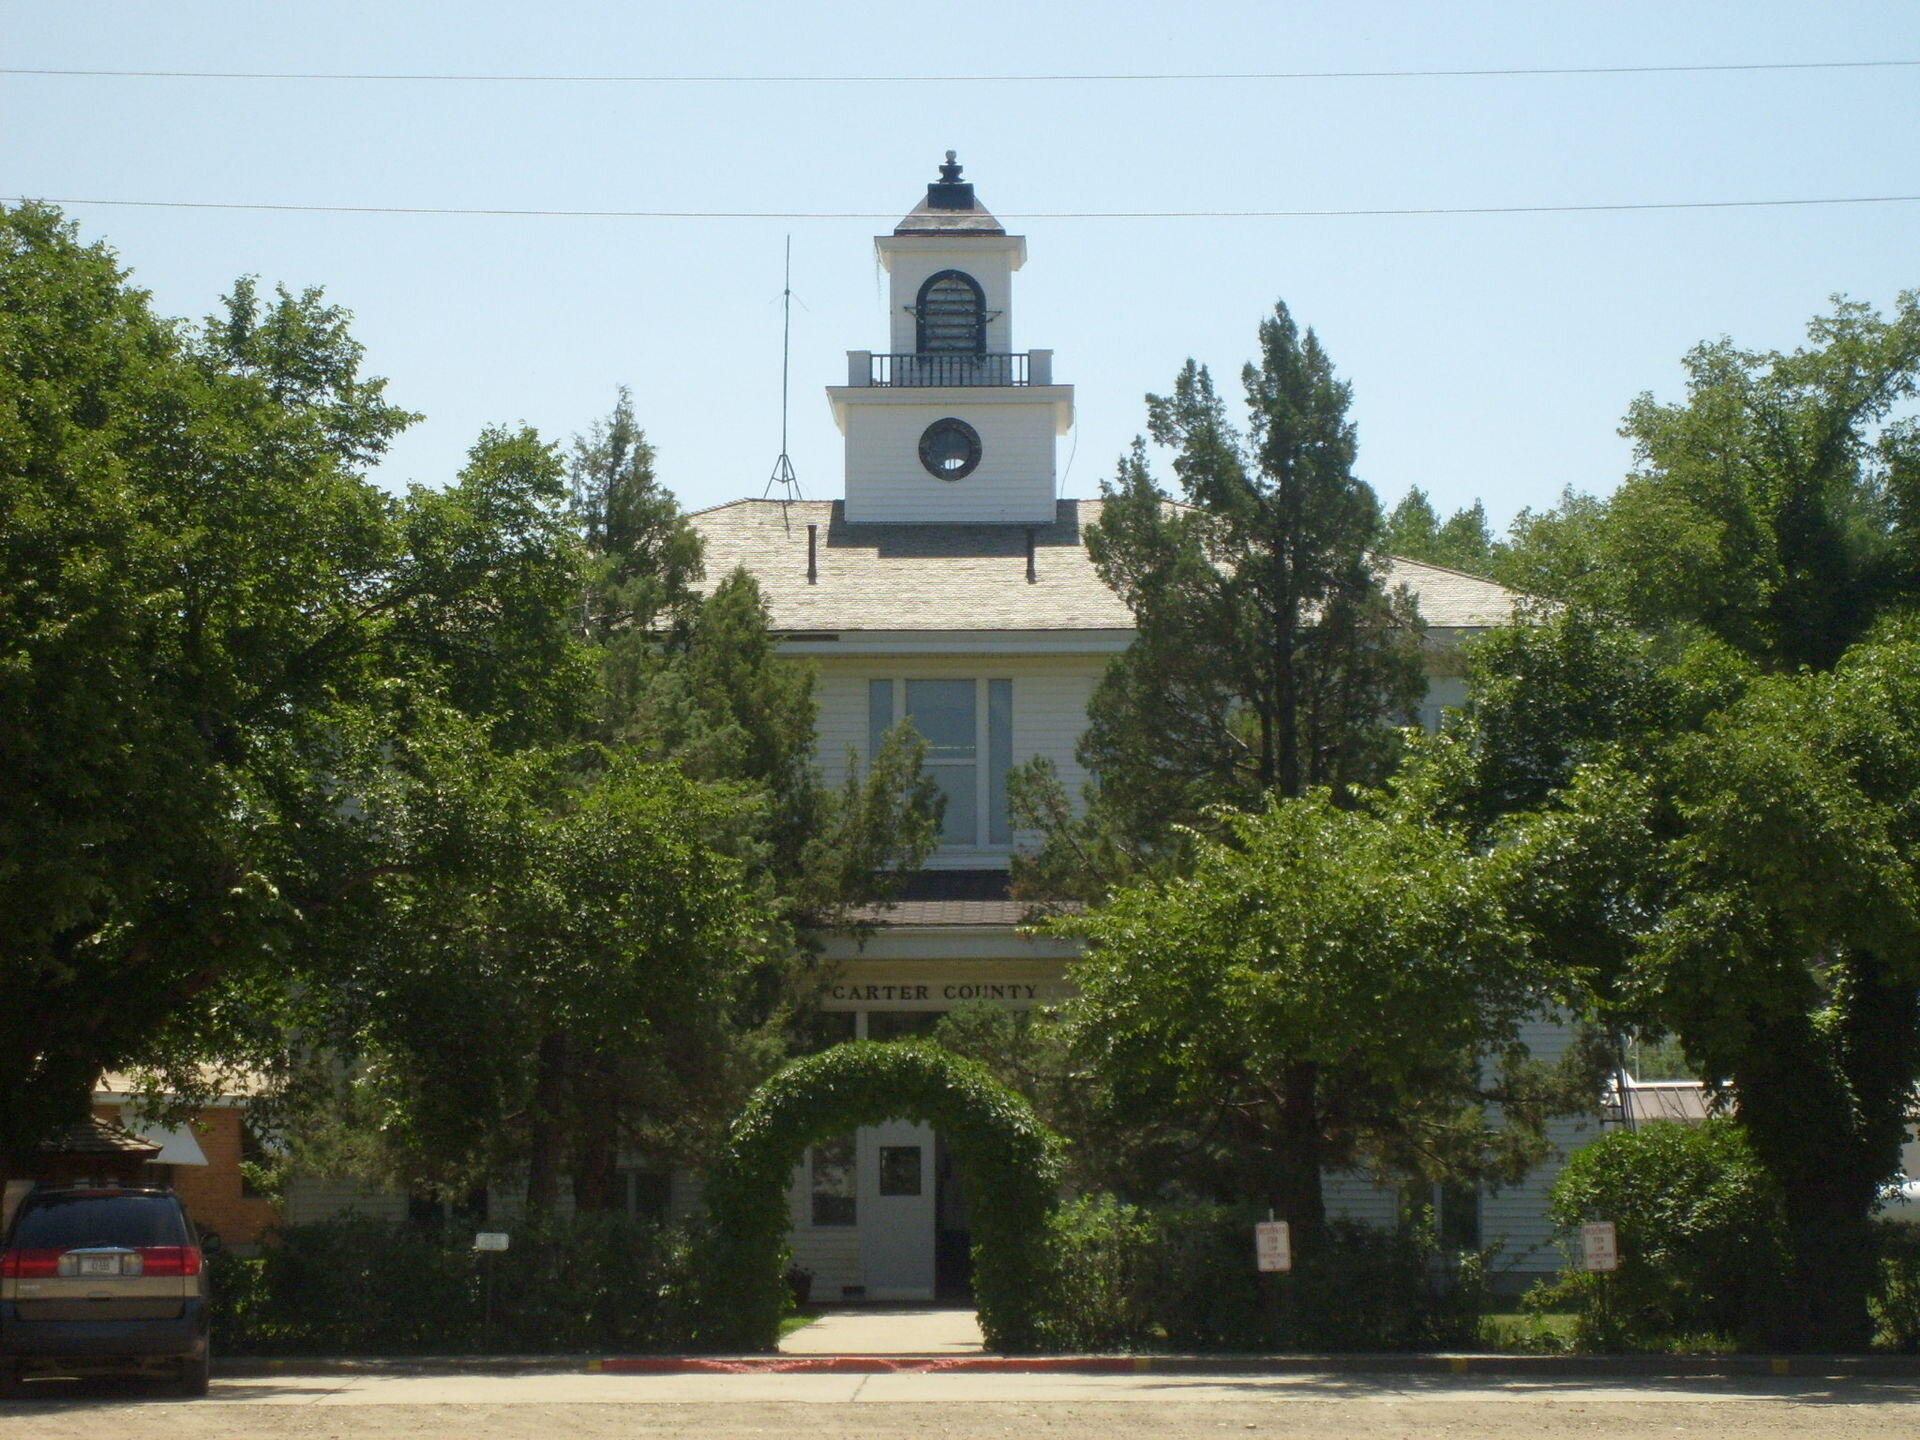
(973, 990)
(1273, 1245)
(1599, 1245)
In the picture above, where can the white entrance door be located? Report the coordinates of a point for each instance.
(896, 1210)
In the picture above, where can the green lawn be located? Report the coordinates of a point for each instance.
(793, 1322)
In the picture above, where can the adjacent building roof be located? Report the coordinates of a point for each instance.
(932, 577)
(1686, 1102)
(94, 1136)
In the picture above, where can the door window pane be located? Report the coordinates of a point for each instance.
(899, 1169)
(833, 1175)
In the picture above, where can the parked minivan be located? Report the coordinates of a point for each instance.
(103, 1281)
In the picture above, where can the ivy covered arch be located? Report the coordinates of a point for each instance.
(1011, 1162)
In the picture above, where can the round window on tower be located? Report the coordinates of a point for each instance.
(950, 449)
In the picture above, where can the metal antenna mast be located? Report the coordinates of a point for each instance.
(783, 475)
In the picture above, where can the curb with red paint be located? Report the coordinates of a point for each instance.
(870, 1365)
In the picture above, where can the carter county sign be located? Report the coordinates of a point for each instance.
(969, 990)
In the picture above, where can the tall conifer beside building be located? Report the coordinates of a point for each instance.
(1270, 656)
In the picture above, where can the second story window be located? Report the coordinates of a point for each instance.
(952, 312)
(968, 729)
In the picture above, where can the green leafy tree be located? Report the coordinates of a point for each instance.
(1269, 657)
(545, 954)
(1789, 959)
(1774, 506)
(205, 606)
(689, 683)
(1327, 988)
(1725, 855)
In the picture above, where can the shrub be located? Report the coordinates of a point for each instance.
(1182, 1278)
(1896, 1299)
(360, 1286)
(1702, 1241)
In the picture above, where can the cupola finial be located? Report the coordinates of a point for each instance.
(950, 192)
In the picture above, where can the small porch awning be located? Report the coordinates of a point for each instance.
(176, 1142)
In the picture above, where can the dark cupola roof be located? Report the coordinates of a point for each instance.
(949, 208)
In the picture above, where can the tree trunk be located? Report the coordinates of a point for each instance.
(1297, 1196)
(547, 1147)
(1824, 1105)
(596, 1161)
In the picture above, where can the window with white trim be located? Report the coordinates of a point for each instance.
(967, 726)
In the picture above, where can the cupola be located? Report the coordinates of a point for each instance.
(950, 423)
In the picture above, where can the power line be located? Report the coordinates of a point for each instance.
(1354, 213)
(1099, 78)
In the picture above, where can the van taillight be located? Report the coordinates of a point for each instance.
(169, 1260)
(30, 1264)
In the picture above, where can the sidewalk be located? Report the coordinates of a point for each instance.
(885, 1330)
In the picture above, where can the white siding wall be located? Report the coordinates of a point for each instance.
(1514, 1217)
(1352, 1196)
(1014, 482)
(831, 1252)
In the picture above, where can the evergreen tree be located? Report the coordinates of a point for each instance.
(1269, 657)
(1414, 530)
(1269, 669)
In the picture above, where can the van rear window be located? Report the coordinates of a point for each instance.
(64, 1222)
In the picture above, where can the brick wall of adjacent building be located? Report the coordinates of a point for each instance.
(214, 1194)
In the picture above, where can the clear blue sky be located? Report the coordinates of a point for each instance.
(1491, 355)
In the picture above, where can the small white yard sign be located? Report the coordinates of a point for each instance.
(1272, 1245)
(490, 1240)
(1600, 1245)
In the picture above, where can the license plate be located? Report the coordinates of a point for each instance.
(99, 1264)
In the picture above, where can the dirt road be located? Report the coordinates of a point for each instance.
(966, 1407)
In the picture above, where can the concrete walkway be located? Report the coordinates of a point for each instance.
(886, 1330)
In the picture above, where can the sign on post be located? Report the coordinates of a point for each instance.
(1599, 1245)
(1272, 1245)
(490, 1240)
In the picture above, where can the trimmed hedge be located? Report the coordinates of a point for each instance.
(356, 1286)
(1010, 1160)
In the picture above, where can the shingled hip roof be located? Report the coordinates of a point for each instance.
(903, 576)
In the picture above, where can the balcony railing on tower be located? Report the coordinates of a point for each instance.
(868, 368)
